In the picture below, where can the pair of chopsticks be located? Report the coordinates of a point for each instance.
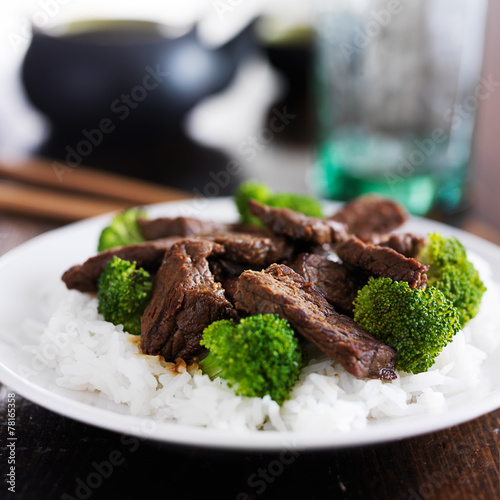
(50, 189)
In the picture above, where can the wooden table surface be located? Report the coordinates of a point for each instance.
(57, 457)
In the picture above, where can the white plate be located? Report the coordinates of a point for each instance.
(24, 270)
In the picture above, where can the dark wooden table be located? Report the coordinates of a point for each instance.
(57, 457)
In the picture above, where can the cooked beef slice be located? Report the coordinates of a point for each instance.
(164, 227)
(253, 250)
(280, 290)
(221, 266)
(408, 244)
(370, 214)
(294, 225)
(229, 284)
(149, 255)
(382, 261)
(245, 251)
(185, 300)
(337, 282)
(226, 273)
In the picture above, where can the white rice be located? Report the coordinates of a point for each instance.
(90, 354)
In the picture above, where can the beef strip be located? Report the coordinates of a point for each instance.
(226, 272)
(370, 214)
(185, 300)
(252, 250)
(220, 266)
(149, 255)
(164, 227)
(408, 244)
(337, 282)
(229, 284)
(245, 251)
(280, 290)
(383, 262)
(286, 222)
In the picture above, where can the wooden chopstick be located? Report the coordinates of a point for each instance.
(42, 202)
(83, 179)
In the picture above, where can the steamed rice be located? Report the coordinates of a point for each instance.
(90, 354)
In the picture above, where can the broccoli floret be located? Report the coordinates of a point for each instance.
(440, 250)
(123, 293)
(123, 230)
(452, 273)
(250, 190)
(416, 323)
(302, 203)
(308, 205)
(259, 355)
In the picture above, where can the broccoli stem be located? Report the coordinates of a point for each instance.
(210, 366)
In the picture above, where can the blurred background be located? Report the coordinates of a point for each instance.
(202, 94)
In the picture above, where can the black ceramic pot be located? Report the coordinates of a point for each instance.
(125, 75)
